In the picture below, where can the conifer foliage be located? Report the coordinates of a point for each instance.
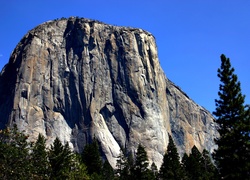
(20, 159)
(139, 169)
(14, 154)
(232, 156)
(91, 157)
(171, 167)
(39, 159)
(60, 158)
(209, 169)
(122, 167)
(198, 166)
(193, 164)
(108, 171)
(141, 163)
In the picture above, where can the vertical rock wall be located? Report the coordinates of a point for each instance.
(78, 79)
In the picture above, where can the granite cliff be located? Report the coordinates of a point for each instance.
(77, 79)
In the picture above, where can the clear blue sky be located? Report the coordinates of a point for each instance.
(190, 35)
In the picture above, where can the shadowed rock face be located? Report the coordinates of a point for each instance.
(78, 79)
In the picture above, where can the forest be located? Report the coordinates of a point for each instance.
(22, 159)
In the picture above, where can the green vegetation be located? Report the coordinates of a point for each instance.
(92, 159)
(39, 159)
(233, 153)
(14, 155)
(138, 170)
(171, 167)
(198, 166)
(123, 170)
(141, 163)
(61, 160)
(20, 159)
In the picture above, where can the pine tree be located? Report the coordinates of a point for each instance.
(196, 164)
(232, 155)
(78, 169)
(209, 170)
(14, 154)
(130, 166)
(184, 164)
(153, 172)
(91, 158)
(39, 159)
(193, 164)
(122, 172)
(141, 164)
(121, 164)
(171, 166)
(61, 159)
(107, 171)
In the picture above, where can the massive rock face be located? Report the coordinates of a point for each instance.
(78, 79)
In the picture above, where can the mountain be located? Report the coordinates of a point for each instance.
(77, 79)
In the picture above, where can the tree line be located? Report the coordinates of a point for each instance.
(21, 159)
(194, 166)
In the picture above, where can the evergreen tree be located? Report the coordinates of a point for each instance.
(91, 158)
(39, 159)
(107, 171)
(198, 166)
(130, 166)
(14, 154)
(61, 159)
(122, 172)
(20, 160)
(141, 164)
(184, 164)
(209, 170)
(78, 169)
(153, 172)
(195, 164)
(232, 155)
(171, 166)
